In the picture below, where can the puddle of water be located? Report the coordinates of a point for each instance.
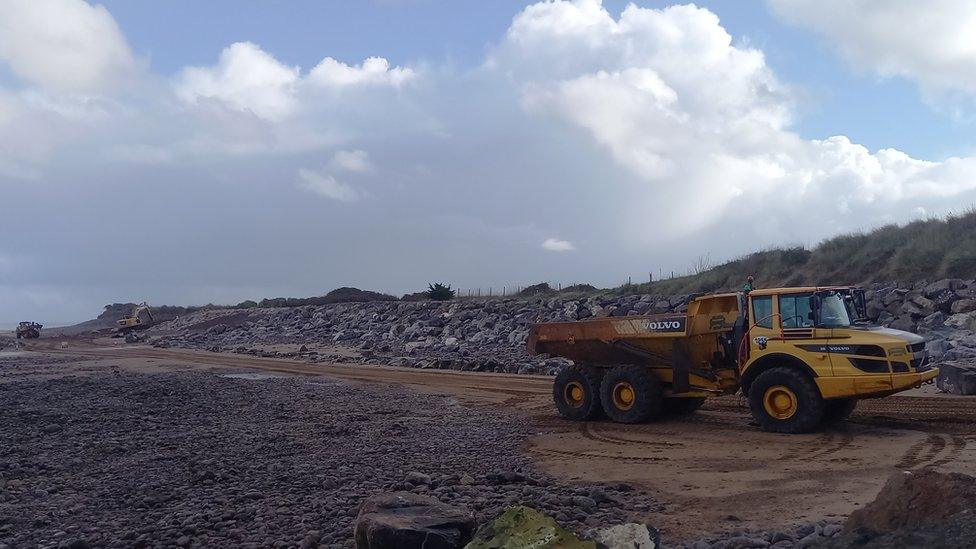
(250, 377)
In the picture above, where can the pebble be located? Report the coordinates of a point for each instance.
(215, 461)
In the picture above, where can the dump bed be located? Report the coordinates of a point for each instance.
(641, 339)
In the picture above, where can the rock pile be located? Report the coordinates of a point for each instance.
(490, 334)
(814, 534)
(479, 335)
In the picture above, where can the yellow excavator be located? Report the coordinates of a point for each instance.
(140, 318)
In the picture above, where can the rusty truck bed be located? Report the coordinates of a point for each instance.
(640, 339)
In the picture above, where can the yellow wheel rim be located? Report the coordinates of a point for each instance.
(780, 402)
(624, 395)
(574, 394)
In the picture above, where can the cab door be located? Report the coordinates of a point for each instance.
(859, 367)
(763, 336)
(797, 324)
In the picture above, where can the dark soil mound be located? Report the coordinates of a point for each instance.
(579, 289)
(915, 509)
(537, 289)
(355, 295)
(915, 499)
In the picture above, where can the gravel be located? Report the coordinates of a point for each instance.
(126, 459)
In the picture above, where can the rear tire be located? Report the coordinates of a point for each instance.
(838, 410)
(576, 392)
(631, 394)
(682, 406)
(785, 400)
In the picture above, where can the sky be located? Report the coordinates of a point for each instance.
(210, 152)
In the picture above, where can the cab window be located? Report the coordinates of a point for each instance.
(795, 311)
(762, 311)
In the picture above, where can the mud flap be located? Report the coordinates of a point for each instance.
(681, 368)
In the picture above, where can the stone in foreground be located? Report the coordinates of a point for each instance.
(626, 536)
(520, 527)
(957, 378)
(404, 520)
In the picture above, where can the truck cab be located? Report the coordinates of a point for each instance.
(823, 333)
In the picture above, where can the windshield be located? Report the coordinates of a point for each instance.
(833, 311)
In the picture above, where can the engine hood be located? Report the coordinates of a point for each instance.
(892, 333)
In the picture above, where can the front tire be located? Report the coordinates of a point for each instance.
(631, 394)
(576, 393)
(785, 400)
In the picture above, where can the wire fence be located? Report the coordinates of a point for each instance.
(516, 289)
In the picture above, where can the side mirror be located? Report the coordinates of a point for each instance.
(860, 305)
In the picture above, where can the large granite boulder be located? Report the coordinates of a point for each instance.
(958, 378)
(404, 520)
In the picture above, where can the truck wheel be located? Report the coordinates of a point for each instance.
(631, 394)
(785, 400)
(838, 410)
(576, 393)
(682, 406)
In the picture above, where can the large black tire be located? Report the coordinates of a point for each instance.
(631, 394)
(576, 393)
(786, 400)
(682, 406)
(838, 410)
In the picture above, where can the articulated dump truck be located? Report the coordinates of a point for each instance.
(802, 357)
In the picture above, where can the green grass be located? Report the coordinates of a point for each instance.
(929, 249)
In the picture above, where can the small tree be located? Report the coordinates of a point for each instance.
(439, 292)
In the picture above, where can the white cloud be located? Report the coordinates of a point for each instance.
(373, 71)
(702, 125)
(249, 79)
(929, 42)
(326, 185)
(246, 78)
(352, 161)
(64, 45)
(557, 245)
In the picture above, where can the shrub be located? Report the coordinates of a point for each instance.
(440, 292)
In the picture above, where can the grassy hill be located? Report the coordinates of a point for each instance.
(922, 250)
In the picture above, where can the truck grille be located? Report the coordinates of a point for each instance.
(921, 364)
(916, 347)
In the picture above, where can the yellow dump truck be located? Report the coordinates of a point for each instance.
(802, 356)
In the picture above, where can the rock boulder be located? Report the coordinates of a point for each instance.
(520, 527)
(958, 378)
(404, 520)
